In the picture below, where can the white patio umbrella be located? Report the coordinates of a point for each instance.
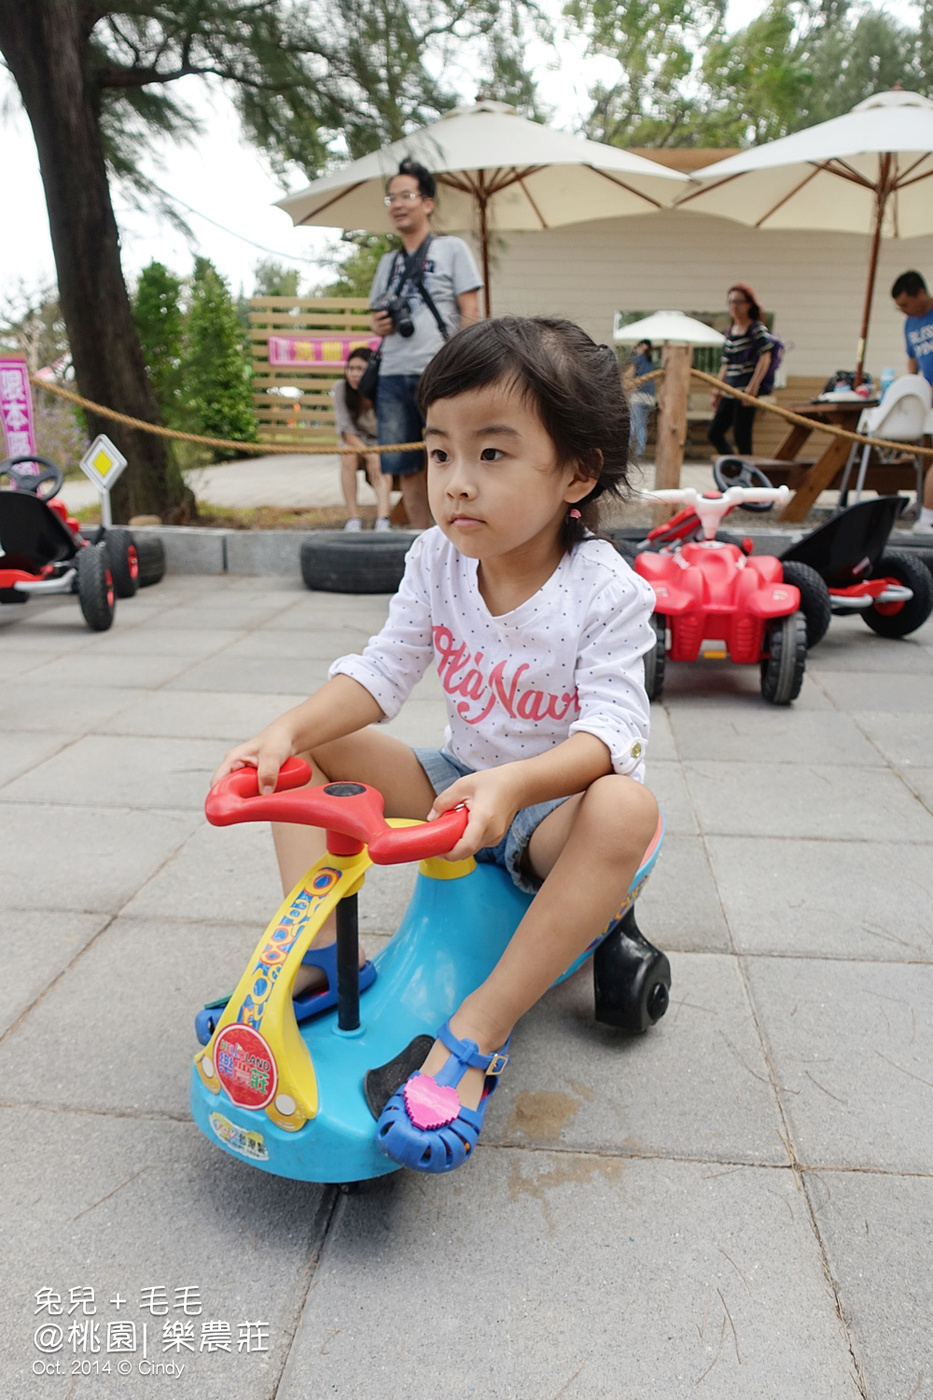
(865, 172)
(667, 328)
(496, 171)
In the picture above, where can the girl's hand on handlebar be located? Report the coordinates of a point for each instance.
(492, 800)
(266, 753)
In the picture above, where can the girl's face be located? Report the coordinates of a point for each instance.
(354, 372)
(738, 305)
(494, 484)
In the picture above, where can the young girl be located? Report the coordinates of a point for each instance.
(537, 631)
(357, 430)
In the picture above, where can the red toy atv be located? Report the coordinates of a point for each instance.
(42, 550)
(714, 600)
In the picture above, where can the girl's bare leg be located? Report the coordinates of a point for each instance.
(588, 850)
(348, 469)
(368, 756)
(381, 484)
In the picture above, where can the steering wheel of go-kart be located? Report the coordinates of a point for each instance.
(350, 813)
(31, 481)
(732, 471)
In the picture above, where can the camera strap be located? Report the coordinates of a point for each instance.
(413, 271)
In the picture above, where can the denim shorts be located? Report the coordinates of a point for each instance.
(442, 770)
(400, 420)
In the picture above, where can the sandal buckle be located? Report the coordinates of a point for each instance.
(497, 1063)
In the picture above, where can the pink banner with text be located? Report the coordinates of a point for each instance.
(16, 408)
(316, 350)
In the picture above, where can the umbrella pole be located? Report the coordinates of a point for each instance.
(484, 242)
(881, 199)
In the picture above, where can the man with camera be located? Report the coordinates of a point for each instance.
(420, 295)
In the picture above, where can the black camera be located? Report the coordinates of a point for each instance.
(399, 310)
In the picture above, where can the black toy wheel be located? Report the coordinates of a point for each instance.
(655, 659)
(95, 586)
(31, 481)
(333, 561)
(782, 669)
(733, 471)
(150, 554)
(631, 979)
(124, 561)
(897, 619)
(814, 599)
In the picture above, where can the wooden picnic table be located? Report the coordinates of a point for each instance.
(844, 414)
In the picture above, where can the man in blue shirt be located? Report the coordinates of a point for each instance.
(911, 296)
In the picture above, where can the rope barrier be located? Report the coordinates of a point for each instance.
(813, 424)
(261, 449)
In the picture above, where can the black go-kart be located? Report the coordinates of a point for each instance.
(42, 550)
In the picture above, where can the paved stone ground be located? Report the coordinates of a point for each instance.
(739, 1204)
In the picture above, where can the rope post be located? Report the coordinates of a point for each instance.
(672, 422)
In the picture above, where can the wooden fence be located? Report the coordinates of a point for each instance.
(321, 328)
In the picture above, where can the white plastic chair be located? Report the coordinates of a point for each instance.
(904, 414)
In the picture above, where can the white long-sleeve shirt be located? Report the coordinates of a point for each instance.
(568, 659)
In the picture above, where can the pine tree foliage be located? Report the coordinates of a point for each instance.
(216, 366)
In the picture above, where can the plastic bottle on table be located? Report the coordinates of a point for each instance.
(888, 377)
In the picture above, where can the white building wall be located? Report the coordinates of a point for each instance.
(683, 261)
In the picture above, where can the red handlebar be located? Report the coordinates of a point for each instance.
(344, 810)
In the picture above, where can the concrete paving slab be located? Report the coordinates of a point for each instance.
(38, 946)
(216, 715)
(905, 740)
(852, 1045)
(666, 781)
(878, 1235)
(719, 686)
(622, 1279)
(227, 671)
(695, 1086)
(890, 694)
(106, 671)
(808, 800)
(148, 1204)
(920, 781)
(16, 664)
(150, 638)
(680, 908)
(747, 734)
(84, 858)
(794, 898)
(21, 752)
(114, 770)
(321, 642)
(218, 875)
(31, 706)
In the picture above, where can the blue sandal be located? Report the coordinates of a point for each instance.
(308, 1004)
(424, 1125)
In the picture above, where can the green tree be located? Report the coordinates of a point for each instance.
(95, 78)
(215, 366)
(158, 317)
(356, 267)
(684, 81)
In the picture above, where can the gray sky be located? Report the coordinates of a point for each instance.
(224, 178)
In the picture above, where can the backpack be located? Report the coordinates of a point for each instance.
(777, 355)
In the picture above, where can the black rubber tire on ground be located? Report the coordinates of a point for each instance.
(150, 553)
(95, 586)
(333, 561)
(655, 659)
(124, 561)
(913, 574)
(925, 556)
(814, 599)
(782, 670)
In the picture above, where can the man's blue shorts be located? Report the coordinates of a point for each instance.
(400, 420)
(442, 770)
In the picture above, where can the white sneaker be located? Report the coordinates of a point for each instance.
(382, 524)
(922, 527)
(353, 524)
